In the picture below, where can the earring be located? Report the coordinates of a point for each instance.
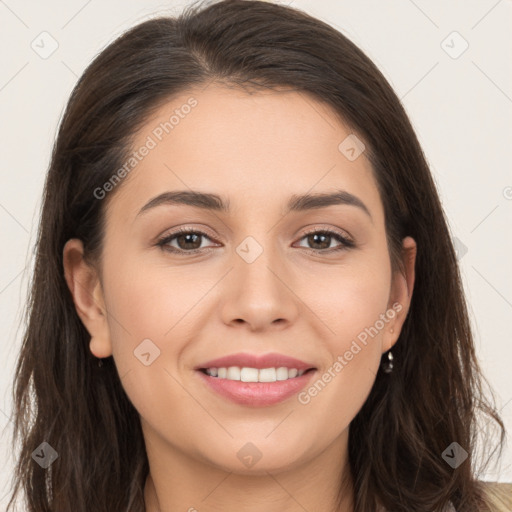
(100, 363)
(387, 366)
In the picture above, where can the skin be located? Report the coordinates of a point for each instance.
(255, 150)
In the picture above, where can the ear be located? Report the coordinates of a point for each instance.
(85, 287)
(401, 293)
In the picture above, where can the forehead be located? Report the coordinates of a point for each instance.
(258, 146)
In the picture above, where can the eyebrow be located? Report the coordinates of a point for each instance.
(214, 202)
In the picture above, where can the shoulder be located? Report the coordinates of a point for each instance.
(499, 495)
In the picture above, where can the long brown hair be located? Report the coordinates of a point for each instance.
(435, 395)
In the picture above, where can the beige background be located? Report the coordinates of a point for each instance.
(459, 100)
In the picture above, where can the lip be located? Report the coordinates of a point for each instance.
(244, 360)
(256, 394)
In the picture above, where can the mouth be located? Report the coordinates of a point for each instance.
(269, 362)
(239, 386)
(255, 381)
(248, 374)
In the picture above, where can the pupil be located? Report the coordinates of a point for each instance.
(188, 236)
(315, 236)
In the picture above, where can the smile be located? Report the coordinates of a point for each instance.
(255, 393)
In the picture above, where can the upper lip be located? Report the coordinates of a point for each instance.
(243, 360)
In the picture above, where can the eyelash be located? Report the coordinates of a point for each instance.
(345, 243)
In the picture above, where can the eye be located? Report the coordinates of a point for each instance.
(188, 240)
(323, 238)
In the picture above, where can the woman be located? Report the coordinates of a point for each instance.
(245, 293)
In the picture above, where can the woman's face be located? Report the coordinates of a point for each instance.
(266, 278)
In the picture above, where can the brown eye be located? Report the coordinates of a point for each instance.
(320, 241)
(187, 241)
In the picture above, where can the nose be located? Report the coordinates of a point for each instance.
(259, 294)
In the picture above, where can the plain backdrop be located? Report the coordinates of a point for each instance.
(446, 60)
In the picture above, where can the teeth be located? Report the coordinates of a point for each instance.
(255, 374)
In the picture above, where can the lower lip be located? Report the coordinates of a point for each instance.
(257, 394)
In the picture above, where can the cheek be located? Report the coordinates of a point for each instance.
(348, 299)
(353, 305)
(151, 300)
(151, 320)
(340, 388)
